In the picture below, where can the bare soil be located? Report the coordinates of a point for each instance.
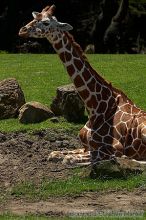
(23, 157)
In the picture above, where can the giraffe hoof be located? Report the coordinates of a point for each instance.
(124, 156)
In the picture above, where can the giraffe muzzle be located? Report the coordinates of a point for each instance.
(23, 32)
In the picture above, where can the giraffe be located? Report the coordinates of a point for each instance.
(115, 126)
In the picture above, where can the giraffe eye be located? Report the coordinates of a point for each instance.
(45, 23)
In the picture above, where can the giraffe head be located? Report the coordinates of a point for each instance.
(44, 25)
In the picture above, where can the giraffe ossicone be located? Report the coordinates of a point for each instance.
(115, 126)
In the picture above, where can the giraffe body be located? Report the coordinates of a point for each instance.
(115, 126)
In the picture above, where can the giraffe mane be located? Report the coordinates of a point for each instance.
(76, 45)
(125, 97)
(109, 84)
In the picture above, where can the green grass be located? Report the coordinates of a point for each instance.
(10, 125)
(12, 217)
(75, 185)
(39, 75)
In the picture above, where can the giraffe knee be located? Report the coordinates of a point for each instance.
(83, 138)
(143, 134)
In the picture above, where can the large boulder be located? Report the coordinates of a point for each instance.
(68, 103)
(11, 98)
(34, 112)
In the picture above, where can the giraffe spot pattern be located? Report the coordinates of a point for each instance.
(103, 130)
(68, 56)
(125, 117)
(71, 70)
(92, 103)
(86, 75)
(106, 93)
(136, 143)
(84, 94)
(142, 152)
(92, 84)
(108, 139)
(115, 133)
(65, 41)
(62, 56)
(102, 107)
(97, 137)
(131, 152)
(68, 47)
(98, 88)
(78, 64)
(78, 81)
(58, 45)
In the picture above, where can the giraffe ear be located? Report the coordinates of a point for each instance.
(64, 26)
(35, 14)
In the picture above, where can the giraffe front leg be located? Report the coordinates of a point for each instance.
(102, 153)
(56, 156)
(74, 157)
(80, 158)
(59, 155)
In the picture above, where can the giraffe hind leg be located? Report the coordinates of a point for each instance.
(143, 134)
(143, 137)
(141, 162)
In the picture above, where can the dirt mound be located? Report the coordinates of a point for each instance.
(23, 156)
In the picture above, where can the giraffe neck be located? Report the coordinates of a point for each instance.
(92, 88)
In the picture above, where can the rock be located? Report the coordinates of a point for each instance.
(2, 137)
(11, 98)
(34, 112)
(54, 119)
(68, 103)
(30, 47)
(122, 167)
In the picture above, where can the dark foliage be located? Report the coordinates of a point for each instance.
(113, 26)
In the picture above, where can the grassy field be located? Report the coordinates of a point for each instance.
(39, 75)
